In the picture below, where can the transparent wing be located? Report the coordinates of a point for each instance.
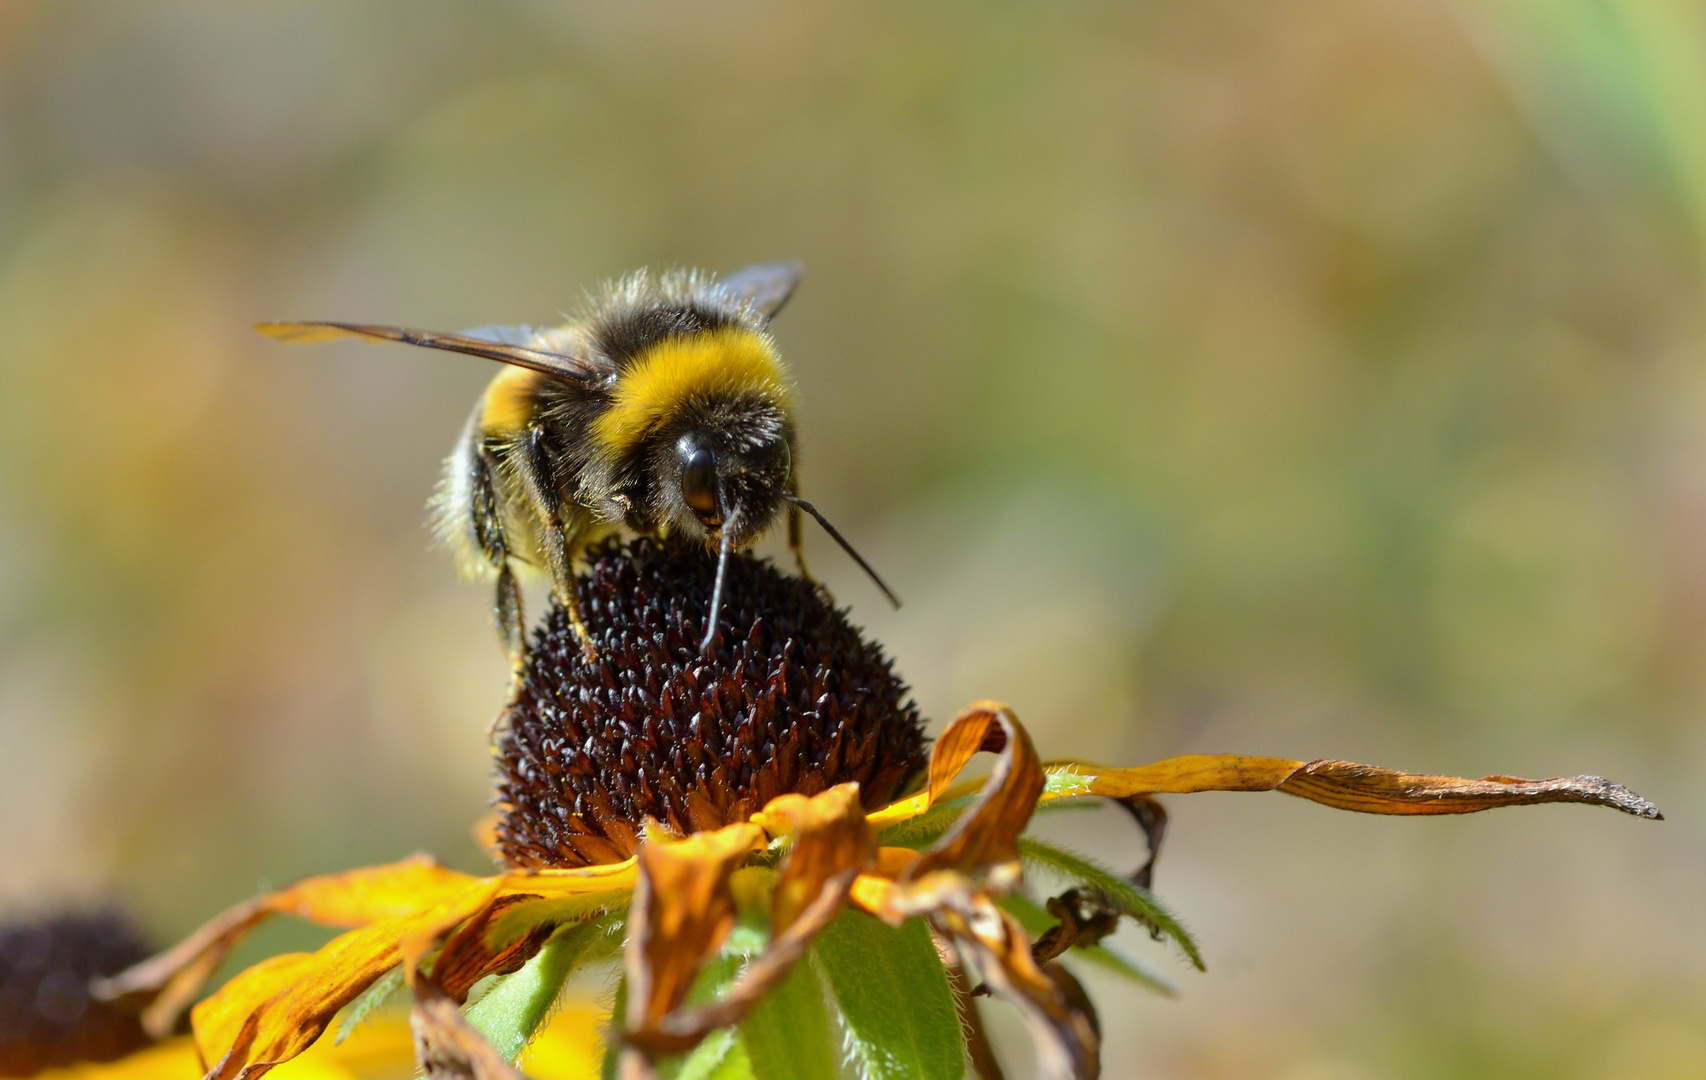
(504, 335)
(765, 286)
(574, 368)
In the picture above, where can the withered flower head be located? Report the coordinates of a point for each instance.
(769, 768)
(47, 1018)
(791, 699)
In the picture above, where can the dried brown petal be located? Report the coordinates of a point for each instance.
(1068, 1047)
(1349, 786)
(985, 840)
(1151, 817)
(831, 844)
(448, 1047)
(682, 911)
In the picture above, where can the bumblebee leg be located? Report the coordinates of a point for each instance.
(797, 545)
(511, 621)
(797, 542)
(533, 465)
(485, 518)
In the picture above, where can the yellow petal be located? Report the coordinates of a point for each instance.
(275, 1010)
(171, 980)
(382, 1049)
(572, 1045)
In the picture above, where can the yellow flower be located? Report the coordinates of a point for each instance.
(640, 811)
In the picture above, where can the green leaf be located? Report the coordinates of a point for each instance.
(1125, 897)
(735, 1065)
(381, 992)
(786, 1035)
(925, 828)
(895, 1003)
(520, 918)
(517, 1005)
(719, 1057)
(613, 1044)
(1121, 964)
(1066, 785)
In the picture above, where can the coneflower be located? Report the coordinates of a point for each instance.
(729, 826)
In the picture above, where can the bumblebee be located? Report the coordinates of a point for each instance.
(664, 409)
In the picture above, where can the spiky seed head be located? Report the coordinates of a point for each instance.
(792, 698)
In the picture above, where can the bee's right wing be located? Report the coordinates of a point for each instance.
(483, 342)
(764, 286)
(503, 334)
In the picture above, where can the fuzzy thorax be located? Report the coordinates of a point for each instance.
(729, 363)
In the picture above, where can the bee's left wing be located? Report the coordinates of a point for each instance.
(483, 342)
(765, 286)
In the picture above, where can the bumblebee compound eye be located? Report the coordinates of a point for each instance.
(699, 479)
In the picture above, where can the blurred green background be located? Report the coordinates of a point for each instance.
(1312, 378)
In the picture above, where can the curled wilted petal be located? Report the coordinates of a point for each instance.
(950, 882)
(1349, 786)
(981, 846)
(830, 839)
(683, 909)
(1068, 1047)
(831, 845)
(985, 839)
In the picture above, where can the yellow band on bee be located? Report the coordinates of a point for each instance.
(730, 362)
(508, 406)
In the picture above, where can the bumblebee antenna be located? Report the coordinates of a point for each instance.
(845, 546)
(717, 589)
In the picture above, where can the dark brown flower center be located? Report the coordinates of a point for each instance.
(791, 699)
(47, 1018)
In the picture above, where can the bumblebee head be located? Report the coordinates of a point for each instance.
(729, 492)
(714, 484)
(726, 483)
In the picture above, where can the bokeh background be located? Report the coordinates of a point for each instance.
(1295, 377)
